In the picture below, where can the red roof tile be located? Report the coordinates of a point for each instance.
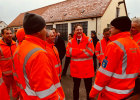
(68, 10)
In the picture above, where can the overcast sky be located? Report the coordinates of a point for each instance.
(10, 9)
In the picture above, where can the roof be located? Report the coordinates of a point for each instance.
(68, 10)
(18, 21)
(3, 22)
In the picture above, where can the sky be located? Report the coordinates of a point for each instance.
(10, 9)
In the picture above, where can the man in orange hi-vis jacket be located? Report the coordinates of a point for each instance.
(55, 56)
(101, 45)
(135, 30)
(20, 35)
(135, 33)
(50, 42)
(80, 48)
(115, 79)
(7, 48)
(34, 65)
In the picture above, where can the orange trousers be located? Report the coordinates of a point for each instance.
(10, 83)
(3, 92)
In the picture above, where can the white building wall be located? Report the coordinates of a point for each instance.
(2, 25)
(110, 13)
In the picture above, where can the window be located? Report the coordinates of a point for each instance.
(117, 12)
(63, 30)
(49, 26)
(84, 24)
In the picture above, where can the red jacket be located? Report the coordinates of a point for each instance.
(34, 66)
(81, 64)
(6, 54)
(115, 79)
(100, 49)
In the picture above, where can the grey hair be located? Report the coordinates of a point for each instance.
(136, 20)
(48, 33)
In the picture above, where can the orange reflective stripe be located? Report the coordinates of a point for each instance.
(15, 74)
(81, 59)
(98, 55)
(28, 90)
(70, 51)
(97, 87)
(124, 62)
(124, 66)
(5, 59)
(1, 52)
(96, 51)
(1, 81)
(7, 72)
(118, 76)
(86, 53)
(69, 41)
(57, 65)
(58, 85)
(101, 53)
(47, 92)
(119, 91)
(15, 53)
(138, 41)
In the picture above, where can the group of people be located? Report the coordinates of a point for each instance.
(33, 68)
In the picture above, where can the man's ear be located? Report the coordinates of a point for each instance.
(2, 35)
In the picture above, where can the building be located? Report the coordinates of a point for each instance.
(2, 25)
(92, 14)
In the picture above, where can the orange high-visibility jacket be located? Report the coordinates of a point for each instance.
(81, 64)
(3, 90)
(137, 38)
(56, 59)
(100, 49)
(38, 79)
(115, 79)
(6, 54)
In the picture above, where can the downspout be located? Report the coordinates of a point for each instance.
(96, 25)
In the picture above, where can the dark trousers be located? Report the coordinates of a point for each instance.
(88, 86)
(95, 62)
(67, 62)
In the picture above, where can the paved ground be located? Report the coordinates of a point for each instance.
(67, 84)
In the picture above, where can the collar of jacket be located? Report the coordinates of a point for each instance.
(3, 43)
(49, 45)
(83, 37)
(136, 37)
(35, 40)
(119, 35)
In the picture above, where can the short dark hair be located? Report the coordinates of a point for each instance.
(71, 35)
(55, 30)
(75, 26)
(6, 28)
(93, 32)
(105, 30)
